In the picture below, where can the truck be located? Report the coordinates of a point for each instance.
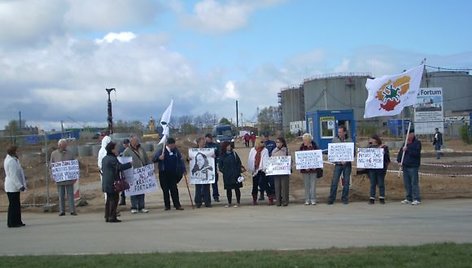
(224, 133)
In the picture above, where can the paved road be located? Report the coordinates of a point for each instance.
(244, 228)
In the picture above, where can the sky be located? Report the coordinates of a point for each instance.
(58, 56)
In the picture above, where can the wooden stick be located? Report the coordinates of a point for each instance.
(188, 188)
(403, 154)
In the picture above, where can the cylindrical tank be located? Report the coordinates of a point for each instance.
(85, 150)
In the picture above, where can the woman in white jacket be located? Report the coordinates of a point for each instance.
(15, 183)
(256, 163)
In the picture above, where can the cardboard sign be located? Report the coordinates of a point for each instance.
(308, 159)
(279, 165)
(144, 181)
(370, 158)
(65, 170)
(341, 152)
(202, 165)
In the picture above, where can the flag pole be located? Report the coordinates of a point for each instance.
(188, 189)
(403, 154)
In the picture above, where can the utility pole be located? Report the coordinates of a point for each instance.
(237, 115)
(110, 115)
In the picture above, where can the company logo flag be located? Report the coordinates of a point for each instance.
(389, 94)
(165, 119)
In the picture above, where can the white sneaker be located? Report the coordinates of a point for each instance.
(235, 206)
(415, 203)
(227, 206)
(307, 203)
(144, 210)
(313, 203)
(134, 211)
(406, 202)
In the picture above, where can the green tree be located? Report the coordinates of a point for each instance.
(225, 121)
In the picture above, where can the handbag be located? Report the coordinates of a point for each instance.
(120, 185)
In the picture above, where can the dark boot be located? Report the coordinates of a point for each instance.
(271, 200)
(261, 197)
(254, 199)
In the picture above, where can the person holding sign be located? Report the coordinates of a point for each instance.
(309, 175)
(410, 158)
(15, 182)
(231, 167)
(201, 169)
(171, 170)
(343, 168)
(209, 143)
(139, 159)
(256, 164)
(59, 155)
(281, 182)
(377, 176)
(111, 168)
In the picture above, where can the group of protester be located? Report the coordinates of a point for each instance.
(171, 169)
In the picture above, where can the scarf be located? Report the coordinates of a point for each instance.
(257, 160)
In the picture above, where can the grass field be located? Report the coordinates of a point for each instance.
(430, 255)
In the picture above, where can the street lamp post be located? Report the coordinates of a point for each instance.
(110, 115)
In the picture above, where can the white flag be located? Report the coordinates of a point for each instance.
(389, 94)
(165, 119)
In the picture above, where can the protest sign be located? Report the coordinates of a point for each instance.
(202, 165)
(144, 181)
(127, 174)
(278, 165)
(341, 152)
(65, 170)
(372, 158)
(308, 159)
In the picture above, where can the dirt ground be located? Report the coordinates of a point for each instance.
(448, 177)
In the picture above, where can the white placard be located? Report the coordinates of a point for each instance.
(128, 174)
(372, 158)
(65, 170)
(429, 112)
(278, 165)
(144, 181)
(341, 152)
(308, 159)
(202, 165)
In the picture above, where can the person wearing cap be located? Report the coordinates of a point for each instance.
(139, 159)
(122, 149)
(15, 182)
(268, 184)
(437, 142)
(209, 143)
(59, 155)
(410, 162)
(171, 169)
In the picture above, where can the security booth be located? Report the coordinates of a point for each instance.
(323, 125)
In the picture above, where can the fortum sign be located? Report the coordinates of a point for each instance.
(429, 111)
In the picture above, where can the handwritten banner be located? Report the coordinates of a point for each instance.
(370, 158)
(279, 165)
(341, 152)
(202, 165)
(65, 170)
(144, 181)
(308, 159)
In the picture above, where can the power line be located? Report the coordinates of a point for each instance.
(449, 69)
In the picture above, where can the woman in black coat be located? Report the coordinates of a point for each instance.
(111, 168)
(230, 166)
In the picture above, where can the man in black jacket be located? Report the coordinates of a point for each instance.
(171, 170)
(437, 142)
(411, 164)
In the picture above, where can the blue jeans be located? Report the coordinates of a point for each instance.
(338, 170)
(411, 182)
(137, 201)
(437, 148)
(377, 177)
(202, 194)
(62, 189)
(214, 186)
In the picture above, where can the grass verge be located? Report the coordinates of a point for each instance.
(429, 255)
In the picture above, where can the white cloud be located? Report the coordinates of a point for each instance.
(109, 15)
(230, 91)
(219, 17)
(343, 67)
(121, 37)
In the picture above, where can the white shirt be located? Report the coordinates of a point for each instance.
(251, 161)
(15, 178)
